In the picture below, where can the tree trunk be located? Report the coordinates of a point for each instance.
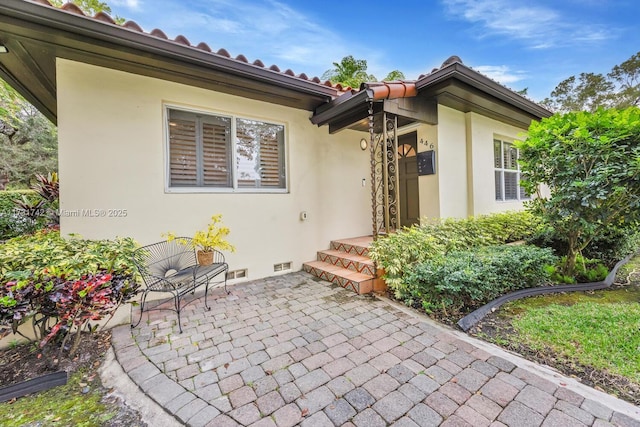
(572, 255)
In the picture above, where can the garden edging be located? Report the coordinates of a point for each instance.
(475, 316)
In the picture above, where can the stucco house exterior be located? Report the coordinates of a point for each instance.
(157, 135)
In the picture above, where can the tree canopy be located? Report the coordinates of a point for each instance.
(589, 91)
(353, 72)
(28, 141)
(591, 164)
(90, 7)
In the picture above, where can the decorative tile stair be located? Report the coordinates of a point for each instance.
(347, 264)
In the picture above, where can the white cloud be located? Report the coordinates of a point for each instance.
(501, 73)
(539, 26)
(259, 29)
(131, 4)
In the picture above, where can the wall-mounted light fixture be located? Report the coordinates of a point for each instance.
(364, 144)
(3, 49)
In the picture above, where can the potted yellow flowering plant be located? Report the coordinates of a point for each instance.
(206, 241)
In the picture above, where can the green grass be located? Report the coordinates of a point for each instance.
(604, 335)
(60, 406)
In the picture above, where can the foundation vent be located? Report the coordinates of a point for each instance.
(283, 266)
(237, 274)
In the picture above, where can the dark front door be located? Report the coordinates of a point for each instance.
(408, 179)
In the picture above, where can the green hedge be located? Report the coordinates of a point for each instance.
(72, 258)
(464, 280)
(63, 285)
(398, 252)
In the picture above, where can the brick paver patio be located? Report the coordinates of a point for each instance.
(290, 350)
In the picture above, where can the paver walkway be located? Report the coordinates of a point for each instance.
(290, 350)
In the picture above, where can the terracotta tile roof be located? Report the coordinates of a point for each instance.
(453, 59)
(157, 33)
(381, 90)
(390, 90)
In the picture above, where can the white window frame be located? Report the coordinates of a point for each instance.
(502, 170)
(234, 178)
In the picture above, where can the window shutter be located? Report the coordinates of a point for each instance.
(260, 154)
(497, 154)
(498, 185)
(510, 185)
(182, 152)
(201, 149)
(270, 159)
(216, 153)
(510, 157)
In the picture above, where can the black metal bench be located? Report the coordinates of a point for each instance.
(171, 267)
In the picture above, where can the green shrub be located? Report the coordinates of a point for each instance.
(587, 270)
(13, 220)
(63, 284)
(608, 248)
(463, 280)
(46, 251)
(399, 251)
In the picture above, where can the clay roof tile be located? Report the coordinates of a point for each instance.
(242, 58)
(223, 52)
(290, 72)
(303, 76)
(101, 16)
(182, 40)
(133, 26)
(258, 63)
(70, 7)
(204, 46)
(391, 90)
(274, 67)
(159, 33)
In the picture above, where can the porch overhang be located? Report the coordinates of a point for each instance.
(351, 110)
(460, 87)
(453, 85)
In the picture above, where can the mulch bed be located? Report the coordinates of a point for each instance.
(27, 361)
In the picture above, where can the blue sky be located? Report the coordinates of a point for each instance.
(534, 44)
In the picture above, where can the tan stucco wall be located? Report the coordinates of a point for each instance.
(464, 181)
(481, 132)
(112, 156)
(452, 160)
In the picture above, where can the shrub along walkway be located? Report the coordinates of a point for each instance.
(291, 350)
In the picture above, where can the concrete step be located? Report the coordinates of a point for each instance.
(357, 263)
(348, 279)
(354, 246)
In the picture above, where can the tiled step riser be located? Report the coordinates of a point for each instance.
(350, 249)
(357, 287)
(349, 264)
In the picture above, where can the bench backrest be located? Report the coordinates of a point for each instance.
(158, 259)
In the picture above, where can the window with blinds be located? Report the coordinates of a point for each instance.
(507, 172)
(202, 150)
(260, 160)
